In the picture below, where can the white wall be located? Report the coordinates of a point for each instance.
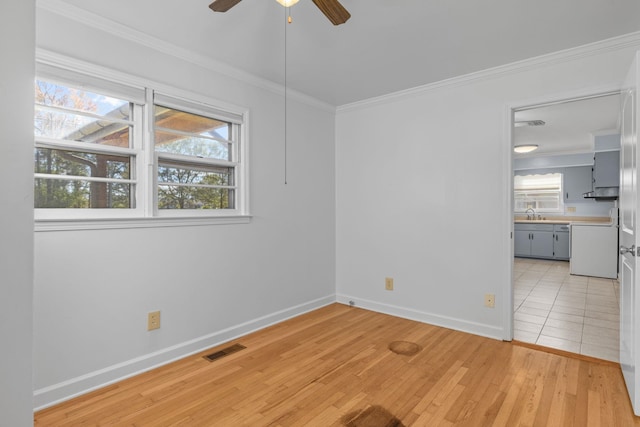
(17, 35)
(423, 188)
(422, 191)
(93, 289)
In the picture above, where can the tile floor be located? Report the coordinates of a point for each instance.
(573, 313)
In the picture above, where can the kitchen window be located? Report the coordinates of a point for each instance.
(95, 156)
(543, 193)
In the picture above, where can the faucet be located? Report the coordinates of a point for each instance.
(531, 216)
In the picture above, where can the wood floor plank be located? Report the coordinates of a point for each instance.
(333, 365)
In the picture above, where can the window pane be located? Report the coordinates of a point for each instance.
(59, 193)
(550, 181)
(185, 197)
(51, 94)
(191, 123)
(76, 163)
(543, 200)
(73, 124)
(194, 193)
(190, 134)
(167, 142)
(539, 192)
(195, 175)
(74, 127)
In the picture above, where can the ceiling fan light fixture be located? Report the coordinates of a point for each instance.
(525, 148)
(332, 9)
(287, 3)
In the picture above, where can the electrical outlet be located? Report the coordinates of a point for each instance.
(490, 300)
(388, 283)
(571, 208)
(153, 320)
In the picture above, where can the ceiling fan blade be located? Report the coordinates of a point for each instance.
(223, 5)
(333, 10)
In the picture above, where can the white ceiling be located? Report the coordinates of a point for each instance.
(387, 45)
(570, 127)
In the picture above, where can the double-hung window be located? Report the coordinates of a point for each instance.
(196, 151)
(86, 148)
(106, 150)
(543, 193)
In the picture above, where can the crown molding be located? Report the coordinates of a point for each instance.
(59, 7)
(82, 16)
(555, 58)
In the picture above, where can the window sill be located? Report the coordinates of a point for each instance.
(125, 223)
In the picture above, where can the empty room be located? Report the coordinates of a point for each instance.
(302, 213)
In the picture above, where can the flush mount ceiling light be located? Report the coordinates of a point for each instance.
(287, 3)
(520, 123)
(525, 148)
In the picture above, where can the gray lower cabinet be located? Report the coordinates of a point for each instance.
(521, 242)
(533, 240)
(561, 242)
(548, 241)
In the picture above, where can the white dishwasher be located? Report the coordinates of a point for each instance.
(594, 249)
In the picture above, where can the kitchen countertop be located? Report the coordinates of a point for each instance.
(602, 221)
(541, 221)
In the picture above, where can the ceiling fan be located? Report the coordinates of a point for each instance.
(332, 9)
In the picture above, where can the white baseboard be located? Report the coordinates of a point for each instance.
(51, 395)
(475, 328)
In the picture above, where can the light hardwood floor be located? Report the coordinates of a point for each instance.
(332, 367)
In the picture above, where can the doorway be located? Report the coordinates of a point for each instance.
(551, 306)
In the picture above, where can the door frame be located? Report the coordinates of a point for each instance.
(508, 214)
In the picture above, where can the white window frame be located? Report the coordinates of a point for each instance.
(237, 151)
(62, 70)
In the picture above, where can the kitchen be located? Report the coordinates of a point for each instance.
(566, 294)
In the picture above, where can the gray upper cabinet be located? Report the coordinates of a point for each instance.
(606, 169)
(577, 181)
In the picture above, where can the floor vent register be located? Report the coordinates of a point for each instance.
(224, 352)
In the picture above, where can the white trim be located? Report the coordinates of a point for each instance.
(137, 222)
(507, 218)
(51, 395)
(592, 49)
(76, 78)
(191, 134)
(474, 328)
(73, 219)
(114, 28)
(85, 147)
(242, 156)
(75, 65)
(83, 178)
(97, 22)
(184, 159)
(96, 117)
(199, 108)
(508, 205)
